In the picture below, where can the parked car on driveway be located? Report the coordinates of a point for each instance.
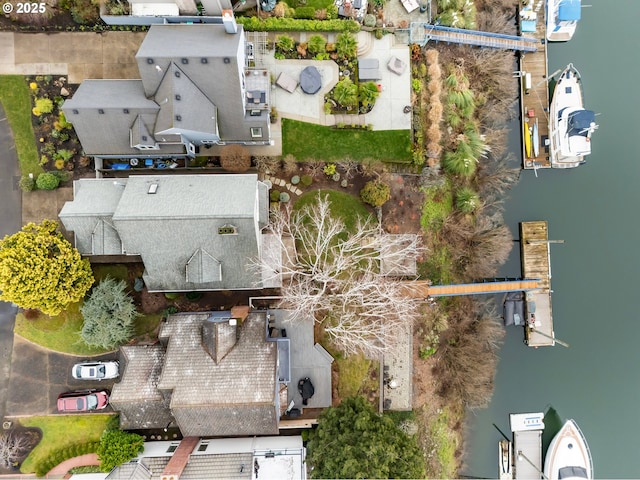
(95, 370)
(82, 401)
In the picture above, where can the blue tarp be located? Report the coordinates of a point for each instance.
(569, 11)
(581, 121)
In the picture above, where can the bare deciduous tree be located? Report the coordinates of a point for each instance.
(339, 276)
(12, 447)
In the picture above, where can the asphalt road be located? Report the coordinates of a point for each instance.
(10, 222)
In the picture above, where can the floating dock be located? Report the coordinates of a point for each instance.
(527, 431)
(534, 98)
(536, 263)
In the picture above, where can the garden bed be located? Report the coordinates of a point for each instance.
(58, 146)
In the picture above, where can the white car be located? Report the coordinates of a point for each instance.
(96, 370)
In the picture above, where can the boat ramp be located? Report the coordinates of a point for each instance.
(534, 98)
(536, 263)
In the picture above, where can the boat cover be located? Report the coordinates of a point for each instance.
(581, 121)
(572, 472)
(569, 11)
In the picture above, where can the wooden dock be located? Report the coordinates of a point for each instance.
(534, 98)
(536, 263)
(424, 289)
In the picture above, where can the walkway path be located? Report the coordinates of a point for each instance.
(81, 461)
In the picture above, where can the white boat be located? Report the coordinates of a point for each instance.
(571, 125)
(568, 456)
(505, 460)
(562, 19)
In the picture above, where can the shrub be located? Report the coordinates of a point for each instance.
(346, 92)
(44, 105)
(378, 33)
(329, 169)
(285, 43)
(375, 193)
(306, 180)
(84, 11)
(467, 201)
(317, 44)
(58, 456)
(27, 183)
(346, 45)
(117, 447)
(47, 181)
(305, 12)
(416, 85)
(64, 154)
(280, 10)
(368, 93)
(273, 24)
(235, 158)
(274, 195)
(369, 20)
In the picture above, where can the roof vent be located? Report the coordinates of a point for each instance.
(153, 188)
(144, 138)
(226, 60)
(150, 61)
(101, 111)
(178, 97)
(177, 74)
(184, 61)
(178, 118)
(204, 60)
(125, 110)
(75, 111)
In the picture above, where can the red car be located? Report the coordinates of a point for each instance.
(82, 401)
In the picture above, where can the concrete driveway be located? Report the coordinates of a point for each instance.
(38, 376)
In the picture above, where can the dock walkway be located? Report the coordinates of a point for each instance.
(422, 32)
(534, 98)
(536, 263)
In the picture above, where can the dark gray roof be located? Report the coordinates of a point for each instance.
(104, 111)
(234, 397)
(213, 60)
(178, 231)
(136, 396)
(183, 106)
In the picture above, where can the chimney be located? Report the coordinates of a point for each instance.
(229, 21)
(179, 459)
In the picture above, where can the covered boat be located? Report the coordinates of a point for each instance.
(562, 19)
(570, 123)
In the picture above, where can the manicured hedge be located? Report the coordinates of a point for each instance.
(273, 24)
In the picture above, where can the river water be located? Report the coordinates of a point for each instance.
(595, 381)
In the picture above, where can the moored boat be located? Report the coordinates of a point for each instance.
(535, 140)
(571, 125)
(527, 139)
(505, 460)
(568, 456)
(562, 19)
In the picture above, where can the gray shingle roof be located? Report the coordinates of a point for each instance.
(136, 396)
(177, 230)
(237, 395)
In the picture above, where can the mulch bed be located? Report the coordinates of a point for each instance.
(31, 438)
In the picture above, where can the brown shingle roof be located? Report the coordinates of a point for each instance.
(237, 395)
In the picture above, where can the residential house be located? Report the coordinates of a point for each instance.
(281, 458)
(192, 232)
(194, 90)
(212, 374)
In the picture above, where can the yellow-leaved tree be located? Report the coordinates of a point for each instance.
(40, 269)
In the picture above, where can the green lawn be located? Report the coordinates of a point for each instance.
(14, 95)
(60, 431)
(62, 333)
(307, 141)
(343, 205)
